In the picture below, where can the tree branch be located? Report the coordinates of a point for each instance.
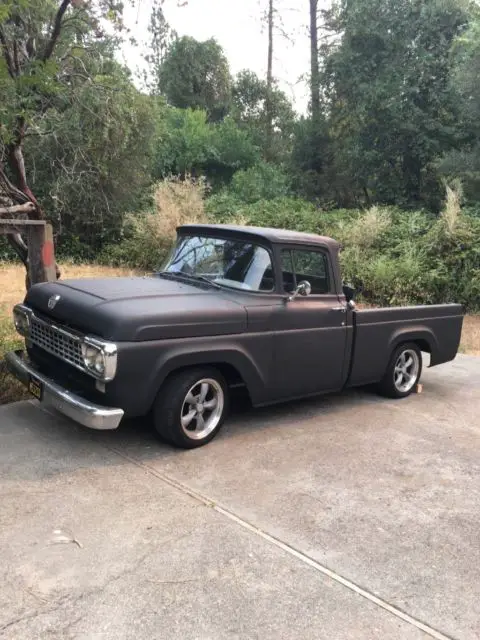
(57, 25)
(7, 54)
(9, 189)
(16, 58)
(17, 243)
(28, 207)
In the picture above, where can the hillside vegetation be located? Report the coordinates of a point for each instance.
(386, 159)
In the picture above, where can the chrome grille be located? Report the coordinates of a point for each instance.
(56, 341)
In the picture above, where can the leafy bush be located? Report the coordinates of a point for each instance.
(399, 257)
(284, 212)
(262, 182)
(189, 143)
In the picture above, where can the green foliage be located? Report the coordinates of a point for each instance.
(464, 162)
(311, 160)
(39, 71)
(189, 144)
(249, 99)
(162, 37)
(400, 257)
(10, 388)
(261, 182)
(196, 75)
(391, 108)
(95, 163)
(400, 109)
(233, 150)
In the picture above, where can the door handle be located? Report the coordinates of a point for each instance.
(341, 309)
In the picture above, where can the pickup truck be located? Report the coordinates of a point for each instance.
(257, 307)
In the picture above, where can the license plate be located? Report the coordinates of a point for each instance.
(36, 388)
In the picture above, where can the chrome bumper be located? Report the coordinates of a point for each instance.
(90, 415)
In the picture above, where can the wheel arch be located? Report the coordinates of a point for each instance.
(423, 337)
(234, 365)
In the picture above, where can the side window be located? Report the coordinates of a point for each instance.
(298, 265)
(288, 273)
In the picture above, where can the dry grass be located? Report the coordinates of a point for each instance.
(471, 336)
(452, 211)
(12, 291)
(365, 231)
(12, 280)
(176, 202)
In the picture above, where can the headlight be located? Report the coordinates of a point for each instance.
(100, 358)
(21, 320)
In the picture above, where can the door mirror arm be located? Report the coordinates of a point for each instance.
(304, 289)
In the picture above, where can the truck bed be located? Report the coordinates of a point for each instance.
(437, 330)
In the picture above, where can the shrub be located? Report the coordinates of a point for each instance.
(262, 182)
(148, 236)
(283, 212)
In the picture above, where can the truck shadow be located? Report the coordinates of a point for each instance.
(139, 433)
(59, 446)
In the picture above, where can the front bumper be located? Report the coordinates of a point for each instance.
(87, 413)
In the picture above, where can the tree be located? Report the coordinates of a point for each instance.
(196, 75)
(162, 38)
(464, 162)
(93, 161)
(314, 62)
(43, 43)
(249, 109)
(189, 144)
(269, 96)
(386, 83)
(273, 20)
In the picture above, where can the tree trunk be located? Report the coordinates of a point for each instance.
(21, 195)
(315, 68)
(268, 105)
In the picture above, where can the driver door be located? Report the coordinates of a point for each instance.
(311, 332)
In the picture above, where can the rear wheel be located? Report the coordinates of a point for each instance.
(403, 371)
(191, 407)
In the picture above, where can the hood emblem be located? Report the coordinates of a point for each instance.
(52, 301)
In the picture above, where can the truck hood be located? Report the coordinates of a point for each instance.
(139, 308)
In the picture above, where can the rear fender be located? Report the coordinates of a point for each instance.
(421, 335)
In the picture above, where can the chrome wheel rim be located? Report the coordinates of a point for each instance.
(406, 369)
(202, 409)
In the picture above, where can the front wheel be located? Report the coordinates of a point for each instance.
(403, 371)
(191, 407)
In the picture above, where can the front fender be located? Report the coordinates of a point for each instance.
(251, 360)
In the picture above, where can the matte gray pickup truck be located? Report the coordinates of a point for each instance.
(263, 308)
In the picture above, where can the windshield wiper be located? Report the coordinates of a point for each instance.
(189, 276)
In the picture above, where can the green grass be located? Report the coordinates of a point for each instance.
(10, 389)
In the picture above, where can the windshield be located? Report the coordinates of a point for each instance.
(231, 263)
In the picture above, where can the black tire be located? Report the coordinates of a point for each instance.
(172, 404)
(389, 386)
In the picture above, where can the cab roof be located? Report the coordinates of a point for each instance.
(280, 236)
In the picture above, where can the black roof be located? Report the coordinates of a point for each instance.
(270, 234)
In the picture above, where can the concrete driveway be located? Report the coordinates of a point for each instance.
(349, 516)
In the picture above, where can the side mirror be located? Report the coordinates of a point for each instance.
(349, 292)
(304, 288)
